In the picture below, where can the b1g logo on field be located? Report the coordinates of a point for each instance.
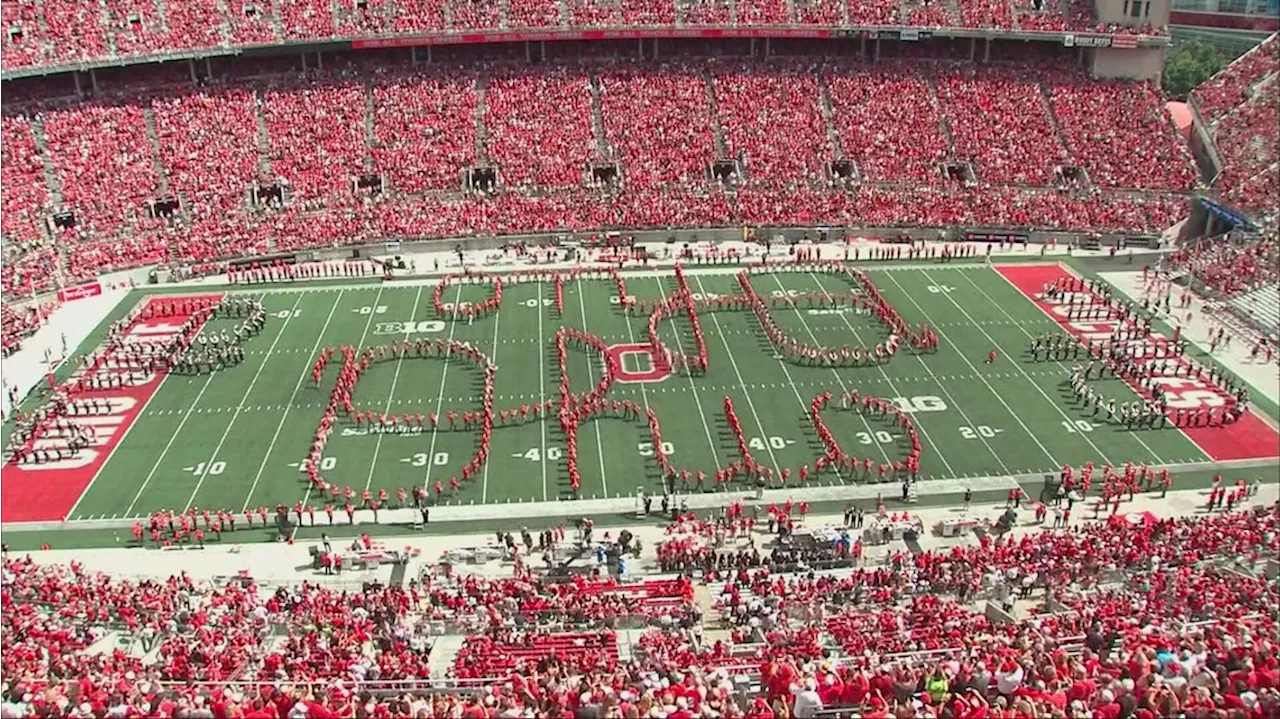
(637, 363)
(406, 328)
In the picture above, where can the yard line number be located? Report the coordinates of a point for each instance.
(759, 443)
(646, 449)
(420, 459)
(982, 430)
(535, 455)
(1078, 426)
(325, 464)
(877, 437)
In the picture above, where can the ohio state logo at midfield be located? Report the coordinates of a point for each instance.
(637, 363)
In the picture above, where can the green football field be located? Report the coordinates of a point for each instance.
(234, 439)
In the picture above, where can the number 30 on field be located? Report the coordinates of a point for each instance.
(439, 459)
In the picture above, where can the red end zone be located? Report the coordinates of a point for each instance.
(49, 491)
(1247, 438)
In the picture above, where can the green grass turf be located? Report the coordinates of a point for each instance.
(232, 439)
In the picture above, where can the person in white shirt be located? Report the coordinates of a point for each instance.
(14, 705)
(808, 703)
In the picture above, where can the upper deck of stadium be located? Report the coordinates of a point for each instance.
(57, 35)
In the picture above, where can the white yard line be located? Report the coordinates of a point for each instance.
(248, 391)
(137, 418)
(444, 376)
(983, 379)
(892, 387)
(373, 311)
(1135, 435)
(764, 436)
(706, 427)
(871, 433)
(155, 467)
(604, 477)
(1017, 365)
(542, 393)
(493, 356)
(301, 378)
(391, 394)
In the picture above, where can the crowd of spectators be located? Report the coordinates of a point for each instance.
(316, 135)
(1240, 105)
(772, 121)
(422, 136)
(208, 147)
(658, 120)
(884, 124)
(1001, 126)
(16, 323)
(1230, 266)
(1257, 194)
(665, 128)
(60, 31)
(23, 194)
(1121, 134)
(28, 270)
(1122, 619)
(539, 126)
(104, 165)
(1235, 84)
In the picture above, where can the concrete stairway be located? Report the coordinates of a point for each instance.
(153, 138)
(370, 137)
(597, 118)
(829, 116)
(482, 133)
(722, 146)
(51, 179)
(264, 137)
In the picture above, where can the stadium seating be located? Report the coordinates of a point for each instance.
(1001, 125)
(1228, 266)
(882, 125)
(1241, 105)
(503, 652)
(772, 132)
(657, 120)
(772, 121)
(60, 31)
(23, 195)
(104, 164)
(1235, 84)
(1121, 135)
(16, 324)
(1099, 616)
(1262, 305)
(539, 125)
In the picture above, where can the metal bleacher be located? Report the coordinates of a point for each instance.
(1261, 307)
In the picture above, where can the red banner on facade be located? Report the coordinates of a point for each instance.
(80, 292)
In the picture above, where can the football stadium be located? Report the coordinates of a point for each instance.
(545, 358)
